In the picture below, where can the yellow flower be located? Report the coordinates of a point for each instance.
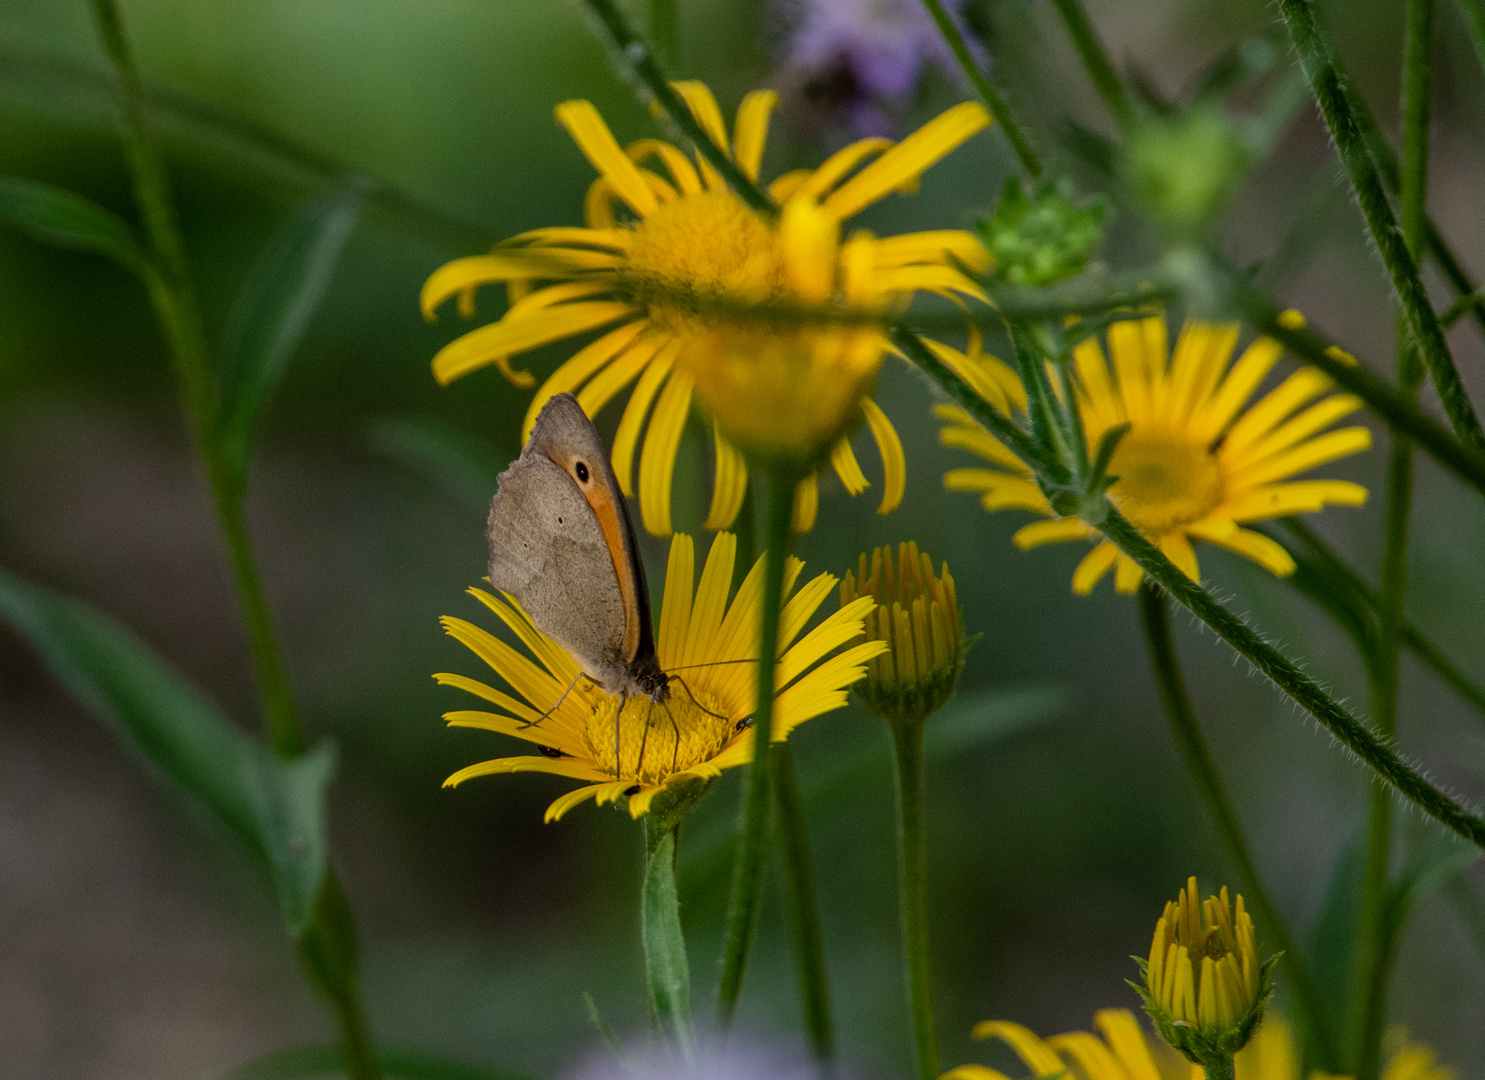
(1193, 465)
(637, 747)
(918, 618)
(1204, 973)
(665, 241)
(1125, 1053)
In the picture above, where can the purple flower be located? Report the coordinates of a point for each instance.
(866, 57)
(735, 1060)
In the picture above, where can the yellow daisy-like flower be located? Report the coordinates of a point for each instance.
(1124, 1052)
(1194, 464)
(637, 747)
(665, 241)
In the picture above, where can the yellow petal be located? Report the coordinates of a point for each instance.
(806, 504)
(1092, 1056)
(751, 130)
(1122, 1032)
(577, 370)
(675, 607)
(1266, 552)
(662, 443)
(1093, 567)
(1296, 497)
(894, 461)
(1038, 1056)
(703, 107)
(908, 159)
(678, 165)
(480, 347)
(1050, 532)
(598, 145)
(1307, 455)
(577, 797)
(1127, 575)
(556, 766)
(837, 165)
(1178, 550)
(617, 374)
(843, 460)
(730, 487)
(627, 437)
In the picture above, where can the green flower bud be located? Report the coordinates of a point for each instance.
(1042, 238)
(1183, 167)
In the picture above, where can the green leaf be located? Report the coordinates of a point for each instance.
(274, 307)
(667, 971)
(1332, 943)
(465, 466)
(277, 807)
(309, 1062)
(1441, 860)
(62, 218)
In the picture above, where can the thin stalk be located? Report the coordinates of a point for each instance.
(747, 875)
(1221, 1069)
(993, 101)
(328, 946)
(1430, 654)
(1318, 60)
(175, 305)
(665, 28)
(1096, 60)
(1184, 726)
(907, 740)
(1375, 951)
(804, 905)
(1474, 22)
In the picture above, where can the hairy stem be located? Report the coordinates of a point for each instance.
(993, 101)
(1184, 726)
(804, 905)
(1318, 60)
(667, 972)
(747, 875)
(912, 868)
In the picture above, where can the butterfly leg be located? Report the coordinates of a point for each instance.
(555, 707)
(618, 761)
(675, 755)
(644, 740)
(698, 704)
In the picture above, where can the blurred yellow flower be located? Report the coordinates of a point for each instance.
(1124, 1052)
(1193, 465)
(637, 747)
(668, 250)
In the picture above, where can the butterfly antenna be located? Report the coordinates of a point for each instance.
(555, 707)
(717, 663)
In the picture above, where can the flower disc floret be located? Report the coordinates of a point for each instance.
(669, 254)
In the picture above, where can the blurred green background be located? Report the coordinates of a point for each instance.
(135, 942)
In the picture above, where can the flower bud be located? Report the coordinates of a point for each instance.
(1044, 237)
(1205, 987)
(918, 617)
(1183, 167)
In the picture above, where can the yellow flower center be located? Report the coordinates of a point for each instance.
(652, 740)
(709, 244)
(1165, 481)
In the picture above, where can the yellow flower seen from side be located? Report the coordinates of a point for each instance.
(1204, 972)
(637, 747)
(1122, 1051)
(1195, 464)
(667, 251)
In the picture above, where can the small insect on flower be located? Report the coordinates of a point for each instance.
(1192, 464)
(668, 254)
(708, 649)
(918, 617)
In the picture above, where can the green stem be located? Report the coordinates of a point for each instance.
(640, 55)
(747, 876)
(913, 871)
(667, 971)
(328, 946)
(1318, 59)
(665, 28)
(175, 305)
(1184, 726)
(993, 101)
(1375, 950)
(1355, 735)
(1221, 1069)
(1096, 60)
(804, 905)
(1473, 14)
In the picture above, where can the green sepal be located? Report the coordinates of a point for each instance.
(1205, 1046)
(1046, 236)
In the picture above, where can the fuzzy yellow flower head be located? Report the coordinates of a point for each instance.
(1193, 464)
(669, 256)
(918, 618)
(1121, 1051)
(1205, 986)
(640, 748)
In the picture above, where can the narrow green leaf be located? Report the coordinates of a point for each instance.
(667, 971)
(277, 807)
(1441, 860)
(465, 466)
(310, 1062)
(274, 307)
(63, 218)
(1332, 941)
